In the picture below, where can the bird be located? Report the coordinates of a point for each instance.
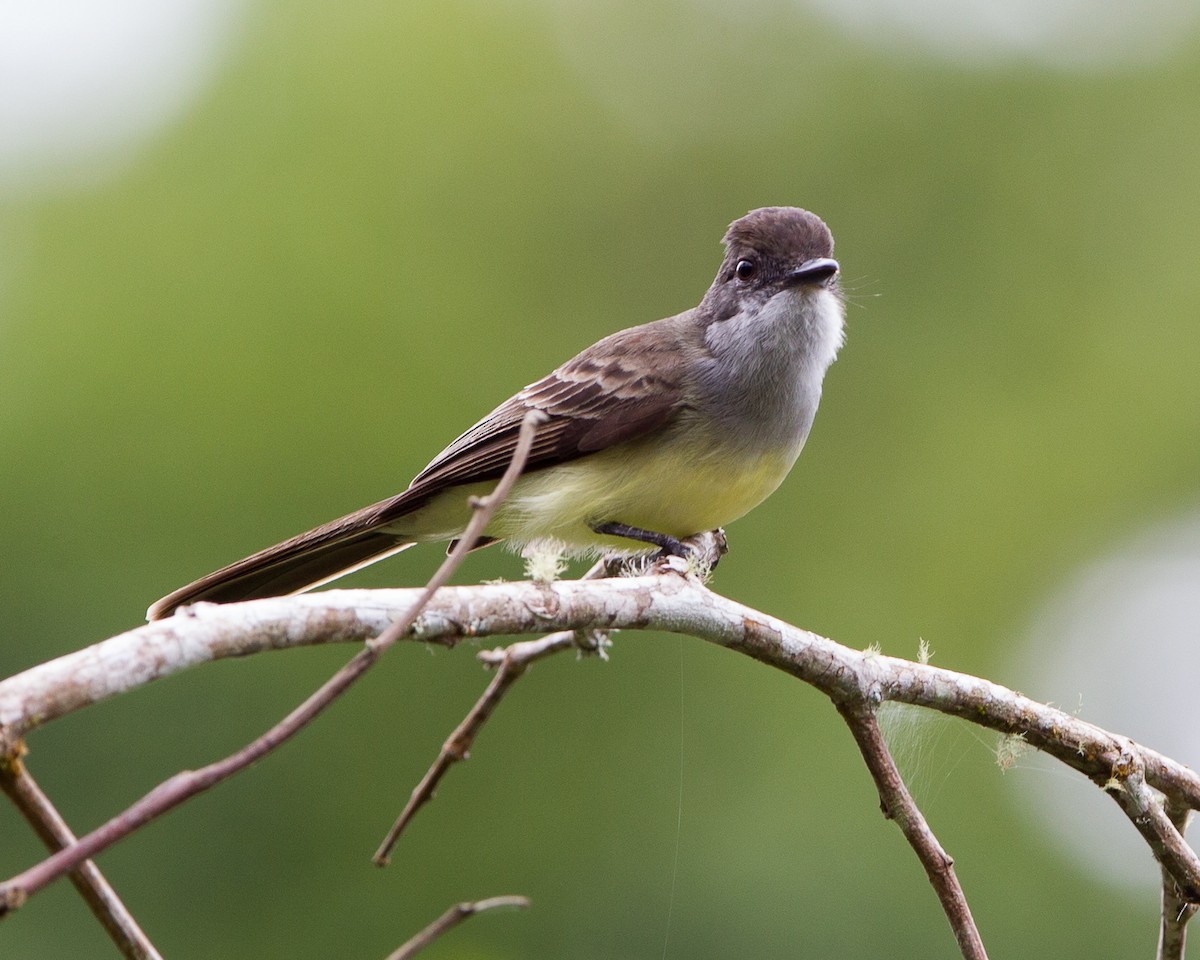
(649, 436)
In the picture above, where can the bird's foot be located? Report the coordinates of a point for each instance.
(697, 554)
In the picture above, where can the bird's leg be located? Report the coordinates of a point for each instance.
(668, 545)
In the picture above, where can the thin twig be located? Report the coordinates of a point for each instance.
(97, 893)
(452, 918)
(1176, 911)
(898, 805)
(483, 508)
(188, 783)
(512, 664)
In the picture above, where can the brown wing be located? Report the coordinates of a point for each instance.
(622, 387)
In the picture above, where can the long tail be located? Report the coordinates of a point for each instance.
(293, 566)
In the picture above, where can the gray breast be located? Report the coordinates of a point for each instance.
(761, 380)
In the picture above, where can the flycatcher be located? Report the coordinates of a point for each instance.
(652, 434)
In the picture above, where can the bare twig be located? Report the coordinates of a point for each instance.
(188, 783)
(1176, 911)
(451, 919)
(512, 661)
(483, 508)
(898, 805)
(98, 894)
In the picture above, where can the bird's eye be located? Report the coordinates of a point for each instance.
(745, 269)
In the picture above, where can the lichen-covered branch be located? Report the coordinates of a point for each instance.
(666, 601)
(186, 784)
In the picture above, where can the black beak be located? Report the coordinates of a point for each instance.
(819, 271)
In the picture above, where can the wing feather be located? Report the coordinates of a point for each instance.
(623, 387)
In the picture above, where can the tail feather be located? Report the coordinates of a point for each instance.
(293, 566)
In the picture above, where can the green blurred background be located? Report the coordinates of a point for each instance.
(368, 223)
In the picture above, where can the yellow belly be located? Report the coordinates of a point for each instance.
(669, 488)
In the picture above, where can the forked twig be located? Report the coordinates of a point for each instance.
(513, 661)
(172, 792)
(452, 918)
(1144, 811)
(97, 893)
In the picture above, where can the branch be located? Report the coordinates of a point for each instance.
(53, 831)
(669, 602)
(1176, 911)
(451, 919)
(188, 783)
(898, 805)
(1142, 807)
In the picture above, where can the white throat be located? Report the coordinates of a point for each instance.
(763, 380)
(796, 331)
(815, 318)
